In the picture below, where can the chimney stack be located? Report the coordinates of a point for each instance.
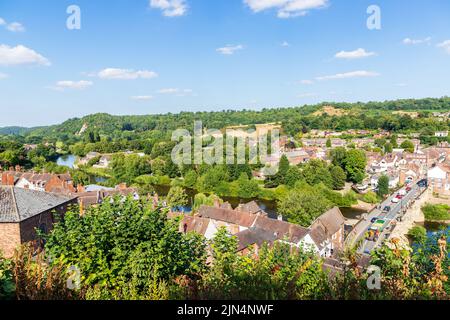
(80, 188)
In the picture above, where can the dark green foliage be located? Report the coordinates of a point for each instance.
(436, 212)
(418, 234)
(383, 186)
(121, 241)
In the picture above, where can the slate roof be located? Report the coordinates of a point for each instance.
(282, 230)
(332, 220)
(239, 218)
(256, 236)
(17, 204)
(197, 224)
(326, 225)
(250, 207)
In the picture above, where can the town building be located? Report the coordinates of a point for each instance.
(23, 211)
(253, 228)
(439, 179)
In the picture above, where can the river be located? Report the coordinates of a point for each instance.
(433, 228)
(67, 160)
(269, 206)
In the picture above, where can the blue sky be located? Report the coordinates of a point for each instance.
(145, 57)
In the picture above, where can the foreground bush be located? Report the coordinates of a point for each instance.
(128, 250)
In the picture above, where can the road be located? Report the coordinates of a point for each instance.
(397, 209)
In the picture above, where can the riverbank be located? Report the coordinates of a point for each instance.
(412, 217)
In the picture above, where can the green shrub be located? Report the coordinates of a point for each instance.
(370, 197)
(6, 280)
(418, 234)
(436, 211)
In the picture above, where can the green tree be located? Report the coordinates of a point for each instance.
(338, 176)
(190, 178)
(408, 146)
(418, 234)
(247, 188)
(125, 241)
(355, 164)
(80, 177)
(7, 287)
(316, 171)
(383, 186)
(436, 211)
(388, 148)
(303, 206)
(328, 143)
(338, 155)
(370, 197)
(177, 197)
(283, 167)
(293, 176)
(393, 141)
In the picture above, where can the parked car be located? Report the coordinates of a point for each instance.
(387, 209)
(374, 219)
(395, 200)
(399, 196)
(408, 189)
(422, 183)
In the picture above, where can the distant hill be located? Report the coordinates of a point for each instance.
(14, 130)
(293, 118)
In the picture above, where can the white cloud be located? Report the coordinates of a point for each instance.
(10, 56)
(168, 90)
(170, 8)
(2, 22)
(126, 74)
(15, 27)
(307, 82)
(285, 44)
(409, 41)
(401, 84)
(176, 91)
(141, 98)
(67, 84)
(445, 45)
(3, 76)
(229, 49)
(356, 54)
(349, 75)
(286, 8)
(307, 95)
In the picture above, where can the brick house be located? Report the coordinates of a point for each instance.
(253, 228)
(22, 211)
(56, 183)
(327, 231)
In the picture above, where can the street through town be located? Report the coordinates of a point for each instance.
(389, 217)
